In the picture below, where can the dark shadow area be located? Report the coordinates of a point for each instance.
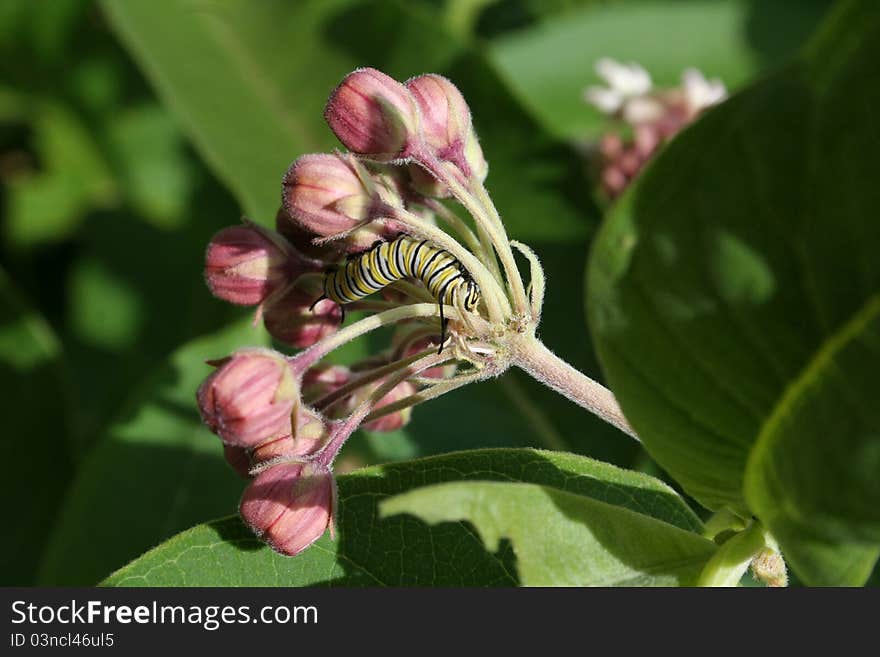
(130, 496)
(776, 29)
(38, 465)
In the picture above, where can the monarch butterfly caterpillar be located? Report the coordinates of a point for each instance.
(441, 273)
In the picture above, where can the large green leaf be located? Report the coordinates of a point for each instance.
(549, 65)
(397, 551)
(742, 253)
(563, 539)
(247, 81)
(157, 471)
(812, 476)
(35, 434)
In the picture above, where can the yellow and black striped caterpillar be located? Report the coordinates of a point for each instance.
(442, 274)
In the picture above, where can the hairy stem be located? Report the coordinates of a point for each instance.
(432, 392)
(493, 295)
(367, 377)
(529, 354)
(313, 354)
(505, 253)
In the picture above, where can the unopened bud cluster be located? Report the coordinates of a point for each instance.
(283, 418)
(647, 117)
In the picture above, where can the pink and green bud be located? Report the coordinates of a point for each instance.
(295, 319)
(373, 115)
(290, 505)
(310, 435)
(246, 264)
(392, 421)
(446, 124)
(249, 398)
(330, 195)
(302, 240)
(323, 379)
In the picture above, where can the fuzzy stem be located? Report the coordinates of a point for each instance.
(441, 388)
(502, 244)
(455, 222)
(316, 352)
(493, 295)
(529, 354)
(361, 414)
(369, 376)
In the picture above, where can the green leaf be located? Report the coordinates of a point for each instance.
(550, 64)
(812, 475)
(742, 253)
(243, 80)
(399, 551)
(157, 471)
(562, 539)
(35, 446)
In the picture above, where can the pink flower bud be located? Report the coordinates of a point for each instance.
(446, 117)
(238, 459)
(301, 239)
(322, 379)
(310, 435)
(249, 399)
(390, 422)
(328, 195)
(446, 123)
(246, 264)
(290, 505)
(373, 114)
(295, 319)
(425, 184)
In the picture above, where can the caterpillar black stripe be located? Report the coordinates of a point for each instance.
(441, 273)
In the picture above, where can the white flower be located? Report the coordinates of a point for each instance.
(700, 93)
(625, 82)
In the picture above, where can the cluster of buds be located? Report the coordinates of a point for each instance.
(649, 117)
(411, 152)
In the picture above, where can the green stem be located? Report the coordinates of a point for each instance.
(733, 557)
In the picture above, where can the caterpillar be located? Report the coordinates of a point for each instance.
(386, 262)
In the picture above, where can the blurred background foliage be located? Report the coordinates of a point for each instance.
(132, 130)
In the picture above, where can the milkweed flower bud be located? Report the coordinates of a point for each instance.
(290, 505)
(309, 436)
(322, 379)
(295, 319)
(392, 421)
(334, 194)
(238, 459)
(250, 397)
(246, 264)
(373, 115)
(446, 123)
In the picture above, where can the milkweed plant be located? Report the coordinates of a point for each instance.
(400, 233)
(373, 218)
